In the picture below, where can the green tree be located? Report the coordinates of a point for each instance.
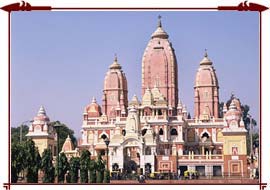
(15, 133)
(93, 168)
(100, 169)
(17, 160)
(74, 169)
(32, 161)
(84, 165)
(47, 166)
(64, 131)
(63, 167)
(107, 176)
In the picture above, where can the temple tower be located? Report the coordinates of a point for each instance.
(42, 132)
(159, 66)
(115, 93)
(206, 94)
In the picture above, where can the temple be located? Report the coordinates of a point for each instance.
(155, 133)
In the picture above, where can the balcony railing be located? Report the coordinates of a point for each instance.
(200, 157)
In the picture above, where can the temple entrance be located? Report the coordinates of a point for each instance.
(131, 160)
(130, 167)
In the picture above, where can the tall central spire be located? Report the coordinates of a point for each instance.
(159, 66)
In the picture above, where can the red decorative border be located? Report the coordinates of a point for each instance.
(7, 186)
(25, 6)
(243, 6)
(263, 185)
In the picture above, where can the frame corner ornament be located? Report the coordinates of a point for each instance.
(6, 186)
(245, 6)
(23, 6)
(263, 185)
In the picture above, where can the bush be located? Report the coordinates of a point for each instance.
(84, 165)
(74, 169)
(107, 176)
(93, 174)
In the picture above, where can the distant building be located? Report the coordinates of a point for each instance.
(44, 136)
(156, 133)
(42, 133)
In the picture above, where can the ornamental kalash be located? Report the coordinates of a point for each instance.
(155, 134)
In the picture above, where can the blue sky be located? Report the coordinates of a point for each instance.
(59, 59)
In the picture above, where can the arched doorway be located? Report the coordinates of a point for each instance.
(130, 167)
(131, 159)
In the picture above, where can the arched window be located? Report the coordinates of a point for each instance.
(115, 167)
(103, 136)
(144, 131)
(174, 132)
(160, 131)
(124, 132)
(204, 136)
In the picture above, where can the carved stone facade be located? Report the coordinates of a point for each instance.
(156, 132)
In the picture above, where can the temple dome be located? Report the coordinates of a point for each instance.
(115, 91)
(41, 115)
(115, 64)
(160, 33)
(147, 99)
(233, 113)
(206, 75)
(206, 60)
(93, 109)
(68, 145)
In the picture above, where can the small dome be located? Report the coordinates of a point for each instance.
(115, 64)
(206, 75)
(157, 94)
(206, 60)
(147, 97)
(41, 115)
(93, 110)
(68, 145)
(233, 112)
(179, 106)
(41, 111)
(134, 100)
(160, 33)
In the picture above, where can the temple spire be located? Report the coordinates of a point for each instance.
(115, 64)
(115, 57)
(159, 21)
(205, 53)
